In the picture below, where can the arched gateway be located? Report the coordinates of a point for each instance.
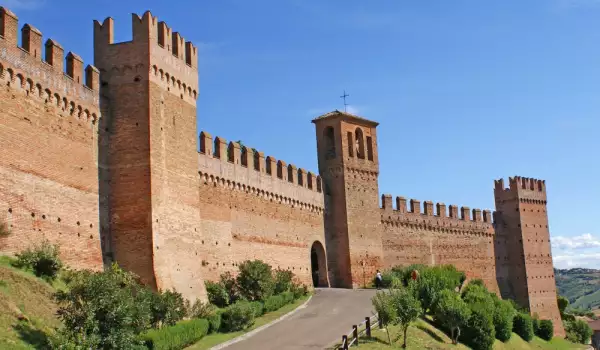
(318, 264)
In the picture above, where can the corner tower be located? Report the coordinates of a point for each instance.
(524, 265)
(348, 164)
(148, 93)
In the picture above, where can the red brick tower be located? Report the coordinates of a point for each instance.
(524, 258)
(149, 87)
(348, 163)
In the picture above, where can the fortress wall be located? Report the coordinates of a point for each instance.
(420, 236)
(48, 147)
(256, 208)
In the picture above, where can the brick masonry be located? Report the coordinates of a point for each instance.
(104, 162)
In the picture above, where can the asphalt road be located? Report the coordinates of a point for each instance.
(329, 314)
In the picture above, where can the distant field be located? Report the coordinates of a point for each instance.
(580, 286)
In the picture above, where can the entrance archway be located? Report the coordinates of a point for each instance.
(318, 265)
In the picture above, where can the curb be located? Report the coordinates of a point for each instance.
(261, 328)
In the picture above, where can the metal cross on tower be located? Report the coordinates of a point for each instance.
(345, 104)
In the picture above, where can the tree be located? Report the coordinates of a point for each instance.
(434, 280)
(408, 309)
(452, 312)
(562, 304)
(578, 331)
(386, 311)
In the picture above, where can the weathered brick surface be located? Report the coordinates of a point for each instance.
(131, 184)
(48, 138)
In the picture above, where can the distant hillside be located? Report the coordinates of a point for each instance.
(580, 286)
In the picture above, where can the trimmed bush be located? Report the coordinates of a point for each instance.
(237, 316)
(274, 303)
(214, 322)
(42, 259)
(288, 297)
(255, 280)
(523, 326)
(546, 330)
(258, 308)
(217, 294)
(283, 281)
(178, 336)
(504, 314)
(479, 333)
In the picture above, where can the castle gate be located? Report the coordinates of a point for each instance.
(318, 265)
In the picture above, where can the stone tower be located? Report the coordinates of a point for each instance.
(524, 266)
(148, 95)
(348, 164)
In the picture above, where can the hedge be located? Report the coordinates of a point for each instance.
(214, 322)
(176, 337)
(274, 303)
(523, 326)
(237, 317)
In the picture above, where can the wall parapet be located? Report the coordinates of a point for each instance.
(53, 75)
(451, 220)
(243, 168)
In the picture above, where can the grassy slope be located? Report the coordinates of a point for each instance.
(218, 338)
(24, 295)
(425, 336)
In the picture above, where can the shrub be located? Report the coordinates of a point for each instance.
(42, 259)
(170, 308)
(578, 331)
(102, 310)
(255, 280)
(214, 322)
(228, 282)
(283, 281)
(299, 290)
(386, 311)
(523, 326)
(434, 280)
(258, 308)
(452, 312)
(178, 336)
(546, 330)
(288, 297)
(479, 333)
(237, 316)
(504, 314)
(562, 304)
(217, 294)
(202, 310)
(274, 302)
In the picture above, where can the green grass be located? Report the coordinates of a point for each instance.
(26, 297)
(425, 336)
(217, 338)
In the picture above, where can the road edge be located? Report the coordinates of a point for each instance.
(261, 328)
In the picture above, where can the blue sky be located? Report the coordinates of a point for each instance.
(466, 91)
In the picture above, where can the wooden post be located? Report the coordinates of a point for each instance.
(344, 342)
(355, 334)
(368, 325)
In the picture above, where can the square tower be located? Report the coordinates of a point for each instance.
(149, 179)
(348, 164)
(524, 265)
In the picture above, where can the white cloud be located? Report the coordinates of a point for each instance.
(567, 260)
(576, 242)
(23, 4)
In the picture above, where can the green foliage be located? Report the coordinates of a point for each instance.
(546, 330)
(255, 280)
(43, 259)
(383, 304)
(451, 312)
(283, 281)
(288, 297)
(523, 326)
(299, 290)
(214, 322)
(477, 282)
(102, 310)
(408, 309)
(176, 337)
(479, 333)
(274, 302)
(168, 308)
(562, 303)
(217, 294)
(504, 314)
(230, 285)
(202, 310)
(237, 317)
(578, 331)
(258, 308)
(433, 280)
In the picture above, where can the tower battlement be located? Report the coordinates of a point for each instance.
(522, 188)
(43, 70)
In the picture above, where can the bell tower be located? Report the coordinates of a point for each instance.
(348, 164)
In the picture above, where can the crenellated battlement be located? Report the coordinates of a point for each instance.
(42, 69)
(250, 167)
(522, 188)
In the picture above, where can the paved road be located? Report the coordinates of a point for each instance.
(329, 314)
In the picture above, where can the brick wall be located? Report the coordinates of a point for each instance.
(48, 143)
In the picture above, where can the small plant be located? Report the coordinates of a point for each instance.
(42, 259)
(408, 309)
(386, 312)
(237, 317)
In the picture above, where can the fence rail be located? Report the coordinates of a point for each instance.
(360, 331)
